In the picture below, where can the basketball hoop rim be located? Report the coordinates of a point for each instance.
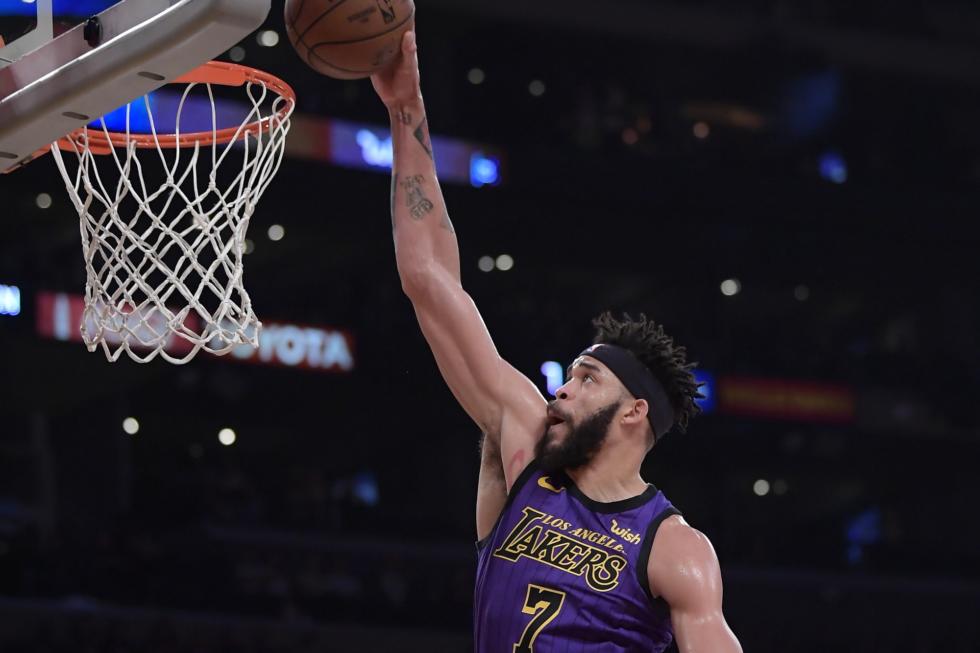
(221, 73)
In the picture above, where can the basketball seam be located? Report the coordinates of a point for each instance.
(299, 10)
(318, 19)
(373, 36)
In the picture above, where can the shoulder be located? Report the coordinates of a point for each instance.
(683, 566)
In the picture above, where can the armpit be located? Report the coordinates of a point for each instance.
(489, 452)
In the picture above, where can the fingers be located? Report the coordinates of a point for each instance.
(409, 45)
(410, 52)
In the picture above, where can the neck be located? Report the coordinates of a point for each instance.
(606, 478)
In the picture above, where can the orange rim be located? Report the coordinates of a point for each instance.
(213, 72)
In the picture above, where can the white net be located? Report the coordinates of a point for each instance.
(164, 262)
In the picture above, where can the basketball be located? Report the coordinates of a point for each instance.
(348, 39)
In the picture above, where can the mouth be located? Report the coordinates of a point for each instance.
(554, 420)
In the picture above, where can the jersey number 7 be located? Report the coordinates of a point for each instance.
(544, 604)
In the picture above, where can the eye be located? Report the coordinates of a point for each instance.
(589, 377)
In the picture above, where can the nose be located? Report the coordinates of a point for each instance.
(564, 392)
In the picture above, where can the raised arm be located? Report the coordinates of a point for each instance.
(503, 402)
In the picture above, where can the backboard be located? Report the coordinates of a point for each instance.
(64, 63)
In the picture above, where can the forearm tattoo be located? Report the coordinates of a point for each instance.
(418, 204)
(422, 136)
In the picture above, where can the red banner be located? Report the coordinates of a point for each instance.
(59, 316)
(777, 399)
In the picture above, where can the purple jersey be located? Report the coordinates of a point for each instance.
(563, 573)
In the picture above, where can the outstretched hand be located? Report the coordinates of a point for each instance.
(398, 84)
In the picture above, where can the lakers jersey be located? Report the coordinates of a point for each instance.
(561, 572)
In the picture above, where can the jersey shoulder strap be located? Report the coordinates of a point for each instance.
(645, 546)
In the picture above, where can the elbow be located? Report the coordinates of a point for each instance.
(418, 279)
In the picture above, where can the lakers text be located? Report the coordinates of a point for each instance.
(531, 539)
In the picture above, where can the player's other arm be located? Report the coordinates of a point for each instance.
(503, 402)
(684, 570)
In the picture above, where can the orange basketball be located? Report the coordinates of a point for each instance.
(348, 39)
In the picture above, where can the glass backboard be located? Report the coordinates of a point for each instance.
(56, 77)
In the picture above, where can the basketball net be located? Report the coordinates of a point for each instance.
(164, 262)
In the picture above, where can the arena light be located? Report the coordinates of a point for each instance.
(554, 375)
(364, 488)
(707, 379)
(486, 264)
(131, 425)
(268, 38)
(484, 171)
(375, 151)
(833, 167)
(761, 487)
(276, 232)
(43, 201)
(730, 287)
(9, 300)
(863, 530)
(227, 437)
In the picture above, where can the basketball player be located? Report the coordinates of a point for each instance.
(576, 551)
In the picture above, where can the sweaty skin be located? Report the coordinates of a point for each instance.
(517, 462)
(505, 404)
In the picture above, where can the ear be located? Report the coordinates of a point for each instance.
(637, 413)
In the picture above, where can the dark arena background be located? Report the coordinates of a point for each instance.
(792, 188)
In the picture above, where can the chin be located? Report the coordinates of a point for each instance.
(553, 436)
(549, 443)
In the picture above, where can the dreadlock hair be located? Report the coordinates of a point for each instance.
(656, 350)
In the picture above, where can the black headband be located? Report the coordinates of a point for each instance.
(640, 381)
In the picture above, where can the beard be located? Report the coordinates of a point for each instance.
(581, 443)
